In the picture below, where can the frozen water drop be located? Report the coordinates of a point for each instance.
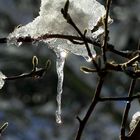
(58, 117)
(89, 59)
(19, 44)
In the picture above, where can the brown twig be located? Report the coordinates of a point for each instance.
(35, 73)
(134, 134)
(3, 127)
(83, 122)
(106, 31)
(123, 67)
(127, 108)
(104, 99)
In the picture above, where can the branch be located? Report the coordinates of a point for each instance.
(106, 32)
(3, 128)
(83, 122)
(71, 38)
(135, 133)
(126, 111)
(134, 72)
(35, 72)
(104, 99)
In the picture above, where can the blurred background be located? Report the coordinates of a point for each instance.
(29, 105)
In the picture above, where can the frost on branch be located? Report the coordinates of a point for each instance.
(85, 14)
(134, 121)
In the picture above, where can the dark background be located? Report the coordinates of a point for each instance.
(29, 105)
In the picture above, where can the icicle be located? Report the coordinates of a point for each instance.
(61, 55)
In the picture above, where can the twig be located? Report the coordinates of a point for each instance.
(134, 134)
(104, 99)
(123, 67)
(106, 32)
(83, 122)
(126, 110)
(131, 61)
(3, 127)
(35, 73)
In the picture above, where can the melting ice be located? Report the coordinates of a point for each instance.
(85, 13)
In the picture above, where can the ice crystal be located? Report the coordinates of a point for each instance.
(85, 14)
(134, 121)
(2, 78)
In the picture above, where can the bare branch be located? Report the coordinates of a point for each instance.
(104, 99)
(106, 32)
(3, 127)
(35, 73)
(95, 100)
(126, 111)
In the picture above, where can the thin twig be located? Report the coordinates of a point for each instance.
(3, 128)
(131, 61)
(126, 110)
(123, 67)
(35, 72)
(104, 99)
(83, 122)
(106, 32)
